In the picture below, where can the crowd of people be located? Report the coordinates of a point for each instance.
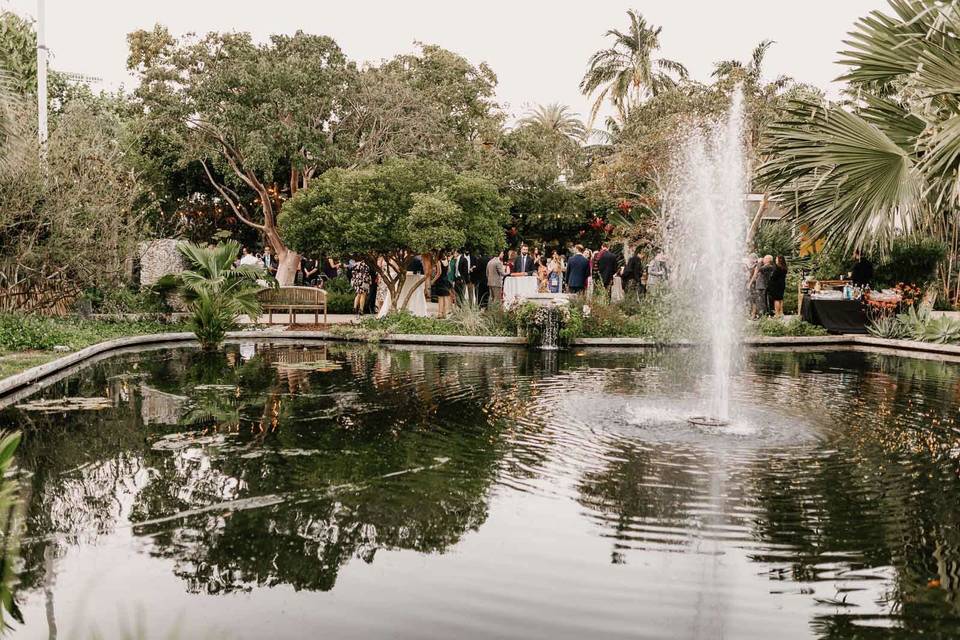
(463, 277)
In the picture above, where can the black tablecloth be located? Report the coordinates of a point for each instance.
(836, 316)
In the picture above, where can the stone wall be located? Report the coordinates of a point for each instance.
(158, 258)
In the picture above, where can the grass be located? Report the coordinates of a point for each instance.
(27, 340)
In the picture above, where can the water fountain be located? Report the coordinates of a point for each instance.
(706, 246)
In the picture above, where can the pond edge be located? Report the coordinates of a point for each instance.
(34, 375)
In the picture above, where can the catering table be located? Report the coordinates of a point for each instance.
(519, 287)
(836, 316)
(417, 304)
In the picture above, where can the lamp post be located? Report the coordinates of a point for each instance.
(42, 56)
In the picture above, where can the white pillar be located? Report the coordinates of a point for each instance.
(42, 56)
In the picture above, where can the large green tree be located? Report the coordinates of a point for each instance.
(429, 104)
(394, 211)
(264, 117)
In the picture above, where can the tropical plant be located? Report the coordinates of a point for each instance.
(216, 291)
(884, 326)
(556, 119)
(885, 164)
(627, 73)
(11, 512)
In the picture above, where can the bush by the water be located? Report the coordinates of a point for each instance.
(777, 327)
(917, 323)
(30, 332)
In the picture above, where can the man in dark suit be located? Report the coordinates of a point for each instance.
(467, 272)
(606, 265)
(633, 273)
(480, 280)
(524, 262)
(578, 270)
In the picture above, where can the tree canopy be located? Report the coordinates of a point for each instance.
(395, 211)
(265, 116)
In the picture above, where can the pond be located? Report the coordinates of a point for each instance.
(351, 491)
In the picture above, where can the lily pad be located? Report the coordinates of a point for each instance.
(316, 365)
(58, 405)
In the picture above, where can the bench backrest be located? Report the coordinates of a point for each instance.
(293, 295)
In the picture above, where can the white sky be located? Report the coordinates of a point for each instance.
(538, 48)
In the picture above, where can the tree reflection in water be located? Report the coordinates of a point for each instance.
(327, 442)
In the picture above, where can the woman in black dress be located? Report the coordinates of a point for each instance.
(778, 285)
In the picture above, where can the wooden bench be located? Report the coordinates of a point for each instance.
(292, 300)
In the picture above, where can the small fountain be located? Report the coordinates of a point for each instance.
(707, 243)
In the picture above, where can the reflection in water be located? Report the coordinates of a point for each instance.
(485, 480)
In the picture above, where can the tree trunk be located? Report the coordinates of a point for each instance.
(755, 223)
(288, 262)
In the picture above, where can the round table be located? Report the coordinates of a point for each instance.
(519, 287)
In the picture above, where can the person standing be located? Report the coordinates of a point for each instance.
(759, 284)
(777, 285)
(443, 286)
(862, 273)
(480, 281)
(360, 280)
(310, 270)
(554, 273)
(578, 270)
(658, 271)
(633, 273)
(606, 265)
(524, 262)
(496, 272)
(466, 276)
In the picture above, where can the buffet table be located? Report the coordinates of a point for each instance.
(836, 316)
(519, 287)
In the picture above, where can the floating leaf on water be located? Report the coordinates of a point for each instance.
(57, 405)
(178, 441)
(316, 365)
(250, 455)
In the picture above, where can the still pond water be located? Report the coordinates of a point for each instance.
(359, 492)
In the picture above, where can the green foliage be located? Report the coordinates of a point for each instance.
(918, 323)
(216, 292)
(11, 514)
(773, 327)
(888, 327)
(775, 239)
(911, 260)
(382, 210)
(29, 332)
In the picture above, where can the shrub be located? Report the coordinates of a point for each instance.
(910, 260)
(216, 292)
(775, 327)
(30, 332)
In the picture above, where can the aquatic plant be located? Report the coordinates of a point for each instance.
(217, 293)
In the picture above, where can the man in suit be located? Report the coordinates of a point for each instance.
(496, 272)
(633, 273)
(524, 262)
(466, 277)
(578, 270)
(480, 280)
(606, 265)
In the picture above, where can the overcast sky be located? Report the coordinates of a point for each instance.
(538, 48)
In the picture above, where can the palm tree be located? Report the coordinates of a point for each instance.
(887, 163)
(750, 72)
(217, 292)
(627, 73)
(557, 119)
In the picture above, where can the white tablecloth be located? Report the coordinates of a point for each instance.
(518, 288)
(417, 304)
